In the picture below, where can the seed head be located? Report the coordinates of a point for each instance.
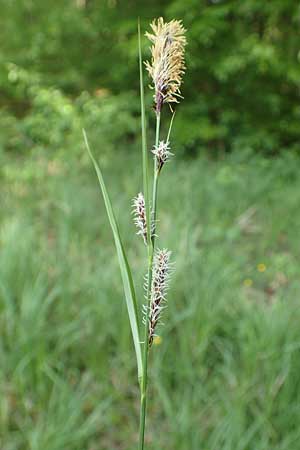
(139, 212)
(162, 154)
(159, 287)
(140, 220)
(167, 63)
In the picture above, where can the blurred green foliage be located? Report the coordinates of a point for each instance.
(241, 89)
(54, 122)
(226, 375)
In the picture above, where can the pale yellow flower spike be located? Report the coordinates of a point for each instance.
(167, 63)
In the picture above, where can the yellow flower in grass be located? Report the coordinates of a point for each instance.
(261, 267)
(248, 282)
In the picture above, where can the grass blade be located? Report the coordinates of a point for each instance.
(123, 263)
(144, 138)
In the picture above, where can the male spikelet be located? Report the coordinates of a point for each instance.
(167, 63)
(159, 287)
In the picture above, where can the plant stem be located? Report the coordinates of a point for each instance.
(144, 138)
(155, 181)
(144, 379)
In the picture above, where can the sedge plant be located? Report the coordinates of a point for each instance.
(165, 68)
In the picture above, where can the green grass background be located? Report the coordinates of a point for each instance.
(226, 374)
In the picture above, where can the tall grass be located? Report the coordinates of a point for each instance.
(226, 374)
(166, 69)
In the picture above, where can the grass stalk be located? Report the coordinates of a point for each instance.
(144, 138)
(155, 180)
(168, 48)
(150, 245)
(143, 379)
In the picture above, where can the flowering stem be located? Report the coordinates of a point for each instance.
(144, 137)
(155, 181)
(144, 379)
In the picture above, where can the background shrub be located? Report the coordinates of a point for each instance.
(243, 61)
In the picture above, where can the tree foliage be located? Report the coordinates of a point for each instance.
(243, 58)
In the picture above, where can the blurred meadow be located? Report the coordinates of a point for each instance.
(225, 373)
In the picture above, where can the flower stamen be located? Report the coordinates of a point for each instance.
(167, 63)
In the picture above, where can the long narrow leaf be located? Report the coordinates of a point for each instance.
(123, 263)
(144, 137)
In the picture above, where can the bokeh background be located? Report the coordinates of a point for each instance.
(225, 374)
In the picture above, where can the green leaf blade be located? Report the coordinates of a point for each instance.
(144, 137)
(126, 275)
